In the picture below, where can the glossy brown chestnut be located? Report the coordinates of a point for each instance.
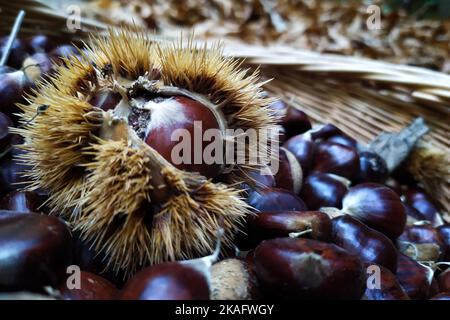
(12, 87)
(324, 190)
(232, 279)
(289, 175)
(40, 43)
(11, 172)
(293, 120)
(302, 268)
(273, 199)
(389, 289)
(336, 158)
(422, 234)
(17, 53)
(372, 168)
(343, 139)
(106, 100)
(23, 201)
(444, 232)
(377, 206)
(303, 148)
(167, 281)
(35, 251)
(442, 296)
(414, 278)
(368, 244)
(394, 185)
(267, 225)
(444, 281)
(63, 51)
(159, 131)
(326, 131)
(420, 201)
(37, 65)
(92, 287)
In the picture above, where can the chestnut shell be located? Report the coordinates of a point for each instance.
(302, 268)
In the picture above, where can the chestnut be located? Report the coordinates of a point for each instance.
(266, 225)
(302, 268)
(35, 251)
(23, 201)
(17, 53)
(290, 174)
(444, 281)
(377, 206)
(343, 139)
(414, 278)
(11, 172)
(389, 289)
(303, 148)
(232, 279)
(444, 232)
(12, 87)
(261, 178)
(368, 244)
(162, 124)
(6, 69)
(420, 201)
(40, 43)
(336, 158)
(293, 120)
(105, 100)
(372, 168)
(394, 185)
(324, 190)
(167, 281)
(274, 199)
(5, 136)
(63, 51)
(442, 296)
(92, 287)
(422, 242)
(37, 65)
(326, 131)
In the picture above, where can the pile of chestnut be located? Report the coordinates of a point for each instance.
(330, 221)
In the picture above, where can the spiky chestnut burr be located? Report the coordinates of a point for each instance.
(110, 179)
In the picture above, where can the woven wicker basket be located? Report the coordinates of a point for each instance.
(363, 97)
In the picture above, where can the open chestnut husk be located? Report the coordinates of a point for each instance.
(274, 199)
(336, 158)
(167, 281)
(324, 190)
(414, 278)
(36, 249)
(267, 225)
(389, 288)
(368, 244)
(302, 268)
(377, 206)
(92, 287)
(421, 242)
